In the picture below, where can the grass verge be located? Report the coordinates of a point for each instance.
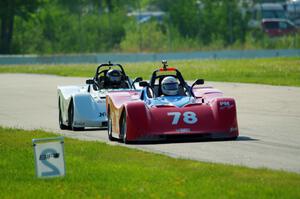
(98, 170)
(273, 71)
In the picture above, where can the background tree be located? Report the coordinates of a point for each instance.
(93, 26)
(8, 10)
(205, 20)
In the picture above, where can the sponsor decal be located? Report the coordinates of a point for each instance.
(103, 114)
(183, 130)
(47, 156)
(225, 104)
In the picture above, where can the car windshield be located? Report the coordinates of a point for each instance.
(271, 25)
(267, 14)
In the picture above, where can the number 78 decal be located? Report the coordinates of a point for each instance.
(188, 117)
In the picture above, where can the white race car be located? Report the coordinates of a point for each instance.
(83, 106)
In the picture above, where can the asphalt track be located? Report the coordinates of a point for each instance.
(268, 116)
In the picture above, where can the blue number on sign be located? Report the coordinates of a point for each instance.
(54, 169)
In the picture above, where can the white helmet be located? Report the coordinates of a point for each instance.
(169, 86)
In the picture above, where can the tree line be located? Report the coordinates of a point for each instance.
(91, 26)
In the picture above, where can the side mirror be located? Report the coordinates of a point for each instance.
(143, 84)
(89, 81)
(198, 82)
(138, 79)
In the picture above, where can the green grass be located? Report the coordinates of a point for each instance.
(273, 71)
(98, 170)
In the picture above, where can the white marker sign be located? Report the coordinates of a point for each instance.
(49, 157)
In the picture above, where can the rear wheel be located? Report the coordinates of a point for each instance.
(71, 119)
(61, 125)
(124, 128)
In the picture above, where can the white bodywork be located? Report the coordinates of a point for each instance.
(83, 106)
(89, 107)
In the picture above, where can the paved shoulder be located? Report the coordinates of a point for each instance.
(268, 116)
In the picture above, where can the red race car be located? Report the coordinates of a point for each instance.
(278, 27)
(168, 108)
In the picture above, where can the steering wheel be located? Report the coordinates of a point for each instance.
(96, 84)
(104, 71)
(150, 92)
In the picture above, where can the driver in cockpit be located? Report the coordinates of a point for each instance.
(169, 86)
(115, 79)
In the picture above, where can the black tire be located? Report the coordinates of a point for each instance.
(124, 128)
(71, 119)
(234, 138)
(61, 125)
(109, 128)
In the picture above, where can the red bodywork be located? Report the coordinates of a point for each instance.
(215, 116)
(278, 27)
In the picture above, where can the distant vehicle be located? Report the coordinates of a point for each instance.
(278, 27)
(145, 16)
(169, 108)
(293, 11)
(83, 106)
(266, 11)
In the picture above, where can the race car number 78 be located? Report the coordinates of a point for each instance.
(188, 117)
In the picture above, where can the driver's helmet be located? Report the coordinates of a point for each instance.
(114, 76)
(169, 86)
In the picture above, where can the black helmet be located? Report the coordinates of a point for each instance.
(114, 76)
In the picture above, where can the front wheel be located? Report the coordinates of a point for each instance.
(124, 129)
(61, 124)
(71, 119)
(234, 138)
(109, 129)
